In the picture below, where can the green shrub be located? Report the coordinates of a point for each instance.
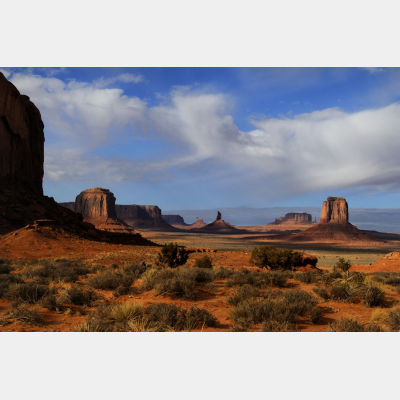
(203, 262)
(173, 255)
(342, 265)
(273, 258)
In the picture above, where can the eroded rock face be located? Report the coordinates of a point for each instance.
(147, 217)
(174, 219)
(21, 138)
(335, 210)
(96, 203)
(293, 219)
(219, 216)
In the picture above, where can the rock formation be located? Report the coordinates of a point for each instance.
(21, 138)
(97, 206)
(219, 225)
(96, 203)
(293, 219)
(174, 220)
(142, 217)
(335, 210)
(22, 204)
(334, 226)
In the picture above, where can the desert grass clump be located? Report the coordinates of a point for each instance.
(243, 293)
(177, 287)
(321, 292)
(203, 262)
(6, 280)
(341, 292)
(27, 292)
(258, 279)
(276, 326)
(200, 317)
(111, 280)
(271, 257)
(222, 273)
(394, 319)
(24, 315)
(172, 255)
(350, 325)
(371, 293)
(308, 276)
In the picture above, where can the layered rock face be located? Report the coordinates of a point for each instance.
(293, 219)
(97, 206)
(96, 203)
(174, 219)
(335, 210)
(21, 138)
(147, 217)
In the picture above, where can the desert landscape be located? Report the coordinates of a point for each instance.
(93, 265)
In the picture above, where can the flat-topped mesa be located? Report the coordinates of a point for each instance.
(293, 219)
(96, 203)
(335, 210)
(218, 217)
(173, 219)
(142, 217)
(21, 138)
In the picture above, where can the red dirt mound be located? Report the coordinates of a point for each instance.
(49, 239)
(389, 263)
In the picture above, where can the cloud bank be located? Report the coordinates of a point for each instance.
(323, 149)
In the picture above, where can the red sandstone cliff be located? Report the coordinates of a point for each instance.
(21, 138)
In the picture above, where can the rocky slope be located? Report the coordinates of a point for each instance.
(219, 225)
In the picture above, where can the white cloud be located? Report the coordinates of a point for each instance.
(126, 78)
(80, 112)
(373, 70)
(325, 149)
(5, 72)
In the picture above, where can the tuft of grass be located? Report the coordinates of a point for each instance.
(203, 262)
(111, 280)
(321, 292)
(394, 318)
(276, 326)
(308, 276)
(258, 279)
(25, 315)
(350, 325)
(27, 292)
(142, 325)
(243, 293)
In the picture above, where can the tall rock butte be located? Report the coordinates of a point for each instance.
(335, 210)
(21, 138)
(96, 203)
(97, 206)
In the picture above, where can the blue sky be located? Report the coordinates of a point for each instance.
(207, 138)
